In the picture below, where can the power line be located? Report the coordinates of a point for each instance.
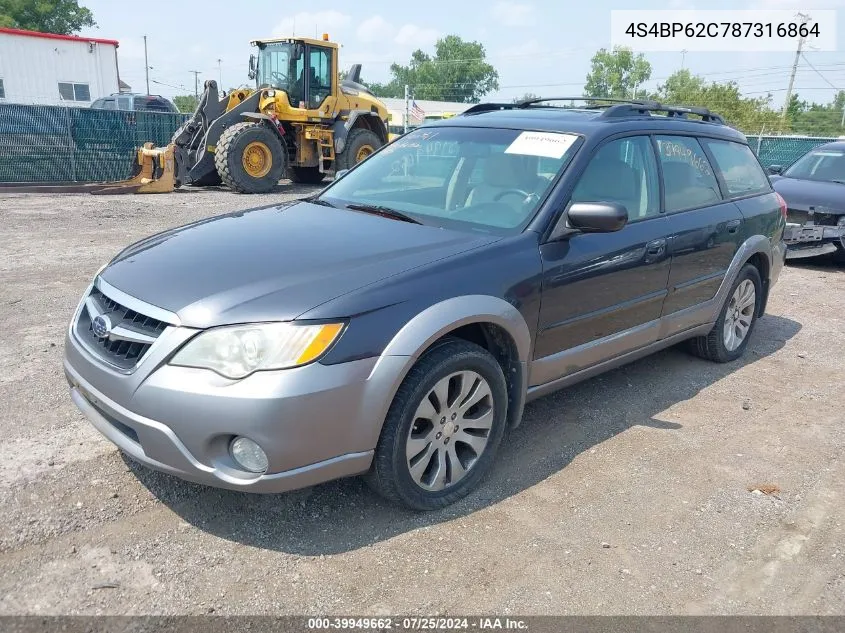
(816, 70)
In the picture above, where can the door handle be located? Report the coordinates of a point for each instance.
(656, 247)
(733, 225)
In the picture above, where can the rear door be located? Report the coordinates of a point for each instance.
(706, 228)
(603, 292)
(743, 180)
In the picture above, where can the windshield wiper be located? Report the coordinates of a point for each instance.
(386, 212)
(321, 202)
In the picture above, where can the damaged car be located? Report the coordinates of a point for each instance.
(814, 190)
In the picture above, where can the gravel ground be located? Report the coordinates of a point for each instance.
(626, 494)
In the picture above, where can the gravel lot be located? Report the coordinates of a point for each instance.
(626, 494)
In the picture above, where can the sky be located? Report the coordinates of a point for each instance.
(538, 46)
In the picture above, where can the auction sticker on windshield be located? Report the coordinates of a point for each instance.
(546, 144)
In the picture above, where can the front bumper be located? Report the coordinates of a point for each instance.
(810, 240)
(315, 423)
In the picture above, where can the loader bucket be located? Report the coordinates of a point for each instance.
(154, 172)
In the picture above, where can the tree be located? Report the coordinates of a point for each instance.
(616, 74)
(526, 97)
(458, 71)
(48, 16)
(819, 119)
(747, 114)
(185, 103)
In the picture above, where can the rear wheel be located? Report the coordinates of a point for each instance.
(360, 144)
(306, 175)
(249, 158)
(729, 337)
(443, 427)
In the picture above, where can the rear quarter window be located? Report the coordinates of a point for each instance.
(739, 168)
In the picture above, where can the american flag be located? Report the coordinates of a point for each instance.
(417, 112)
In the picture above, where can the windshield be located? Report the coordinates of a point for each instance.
(820, 164)
(484, 179)
(276, 66)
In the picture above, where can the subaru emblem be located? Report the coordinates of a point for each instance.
(101, 326)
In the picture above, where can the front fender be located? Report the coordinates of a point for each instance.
(434, 323)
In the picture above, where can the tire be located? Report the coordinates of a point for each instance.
(306, 175)
(459, 365)
(717, 346)
(359, 142)
(240, 142)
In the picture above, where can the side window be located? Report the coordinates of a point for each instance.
(320, 76)
(622, 171)
(108, 104)
(688, 179)
(739, 168)
(2, 89)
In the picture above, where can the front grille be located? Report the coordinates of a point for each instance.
(118, 352)
(819, 219)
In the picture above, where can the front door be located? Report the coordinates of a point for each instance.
(603, 293)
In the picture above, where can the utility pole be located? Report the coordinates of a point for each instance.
(196, 83)
(146, 65)
(683, 57)
(220, 73)
(407, 107)
(804, 19)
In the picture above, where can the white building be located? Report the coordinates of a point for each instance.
(46, 68)
(431, 110)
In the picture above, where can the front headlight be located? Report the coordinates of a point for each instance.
(238, 351)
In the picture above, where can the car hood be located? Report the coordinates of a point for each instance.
(802, 194)
(275, 263)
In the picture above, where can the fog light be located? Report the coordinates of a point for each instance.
(248, 455)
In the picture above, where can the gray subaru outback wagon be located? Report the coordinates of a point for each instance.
(395, 324)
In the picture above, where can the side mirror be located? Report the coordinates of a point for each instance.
(340, 174)
(252, 67)
(775, 169)
(591, 217)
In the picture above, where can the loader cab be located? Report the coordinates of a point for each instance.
(304, 69)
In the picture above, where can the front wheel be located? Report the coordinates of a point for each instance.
(729, 337)
(443, 428)
(249, 158)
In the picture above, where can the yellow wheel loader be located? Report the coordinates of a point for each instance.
(299, 121)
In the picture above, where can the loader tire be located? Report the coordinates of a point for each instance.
(249, 158)
(306, 175)
(359, 145)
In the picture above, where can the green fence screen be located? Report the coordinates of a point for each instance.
(783, 150)
(62, 144)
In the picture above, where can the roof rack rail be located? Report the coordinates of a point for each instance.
(626, 110)
(613, 108)
(608, 100)
(488, 107)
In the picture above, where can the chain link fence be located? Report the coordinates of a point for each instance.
(63, 144)
(784, 150)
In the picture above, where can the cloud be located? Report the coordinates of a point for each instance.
(411, 35)
(514, 14)
(374, 29)
(304, 23)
